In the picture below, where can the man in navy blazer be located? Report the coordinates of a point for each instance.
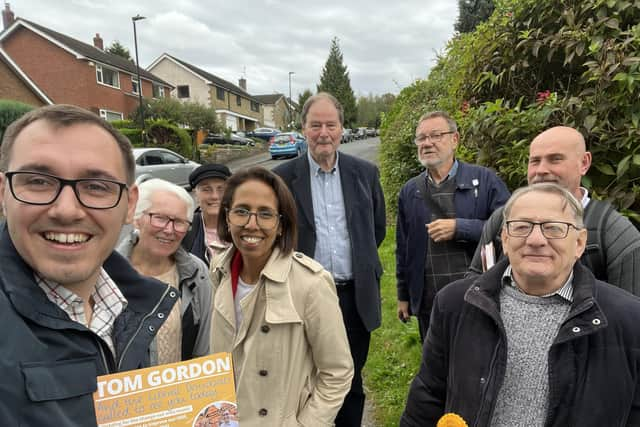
(341, 223)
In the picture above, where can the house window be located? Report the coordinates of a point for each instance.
(158, 90)
(238, 101)
(255, 106)
(220, 93)
(134, 85)
(183, 91)
(107, 76)
(111, 115)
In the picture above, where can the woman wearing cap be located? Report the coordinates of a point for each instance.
(209, 183)
(161, 219)
(276, 311)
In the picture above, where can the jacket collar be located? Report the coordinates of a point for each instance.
(277, 288)
(485, 290)
(16, 278)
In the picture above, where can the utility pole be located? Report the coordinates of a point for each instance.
(135, 43)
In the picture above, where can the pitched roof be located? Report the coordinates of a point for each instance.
(88, 51)
(215, 80)
(39, 93)
(269, 98)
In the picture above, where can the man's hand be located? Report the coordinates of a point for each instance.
(403, 311)
(441, 230)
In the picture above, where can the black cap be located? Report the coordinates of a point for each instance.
(211, 170)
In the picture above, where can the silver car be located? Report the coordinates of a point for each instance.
(164, 164)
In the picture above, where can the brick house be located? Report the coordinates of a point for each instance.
(72, 72)
(235, 107)
(17, 86)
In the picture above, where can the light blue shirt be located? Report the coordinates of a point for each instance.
(333, 245)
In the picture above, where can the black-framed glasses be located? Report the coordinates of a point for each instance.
(266, 219)
(35, 188)
(161, 221)
(434, 137)
(550, 229)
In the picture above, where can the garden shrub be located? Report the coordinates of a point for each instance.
(10, 111)
(532, 65)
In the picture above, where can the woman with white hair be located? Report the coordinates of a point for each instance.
(161, 220)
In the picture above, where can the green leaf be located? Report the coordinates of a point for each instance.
(612, 23)
(623, 166)
(620, 77)
(605, 168)
(589, 122)
(636, 159)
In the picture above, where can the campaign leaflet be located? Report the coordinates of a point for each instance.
(195, 393)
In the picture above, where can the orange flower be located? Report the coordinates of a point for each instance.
(451, 420)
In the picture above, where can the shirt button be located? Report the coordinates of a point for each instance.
(263, 412)
(596, 321)
(172, 294)
(151, 328)
(265, 328)
(576, 329)
(263, 373)
(160, 315)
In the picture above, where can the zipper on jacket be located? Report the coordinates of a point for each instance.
(103, 356)
(126, 347)
(488, 381)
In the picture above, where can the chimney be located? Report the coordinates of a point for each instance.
(243, 83)
(97, 42)
(7, 16)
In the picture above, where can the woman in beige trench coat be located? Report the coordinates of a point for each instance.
(276, 311)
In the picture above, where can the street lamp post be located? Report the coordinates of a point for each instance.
(135, 43)
(289, 103)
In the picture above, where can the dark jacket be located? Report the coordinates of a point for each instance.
(479, 192)
(594, 361)
(194, 241)
(612, 252)
(366, 222)
(48, 363)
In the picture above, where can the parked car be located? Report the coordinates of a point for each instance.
(288, 144)
(371, 132)
(233, 139)
(361, 133)
(164, 164)
(347, 136)
(264, 133)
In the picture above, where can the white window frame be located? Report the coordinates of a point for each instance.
(100, 77)
(135, 85)
(160, 90)
(105, 114)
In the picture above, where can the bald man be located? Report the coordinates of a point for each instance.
(559, 155)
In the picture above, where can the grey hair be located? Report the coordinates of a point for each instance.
(148, 188)
(317, 97)
(453, 126)
(548, 188)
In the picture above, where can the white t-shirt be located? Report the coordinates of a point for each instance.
(242, 291)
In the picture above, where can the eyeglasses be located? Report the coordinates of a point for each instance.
(550, 229)
(161, 221)
(434, 137)
(36, 188)
(265, 219)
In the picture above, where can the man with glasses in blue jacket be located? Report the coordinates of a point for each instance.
(71, 309)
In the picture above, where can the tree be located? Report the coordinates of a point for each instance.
(118, 49)
(335, 80)
(371, 108)
(471, 13)
(302, 98)
(191, 114)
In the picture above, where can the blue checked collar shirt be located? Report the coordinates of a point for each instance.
(333, 244)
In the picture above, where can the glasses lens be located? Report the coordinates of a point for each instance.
(181, 226)
(267, 219)
(34, 188)
(555, 230)
(98, 193)
(240, 217)
(519, 228)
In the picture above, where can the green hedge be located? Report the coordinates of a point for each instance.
(10, 111)
(532, 65)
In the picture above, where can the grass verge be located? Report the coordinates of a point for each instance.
(395, 351)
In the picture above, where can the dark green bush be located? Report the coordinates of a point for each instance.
(584, 52)
(162, 133)
(10, 111)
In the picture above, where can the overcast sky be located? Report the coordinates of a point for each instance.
(386, 44)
